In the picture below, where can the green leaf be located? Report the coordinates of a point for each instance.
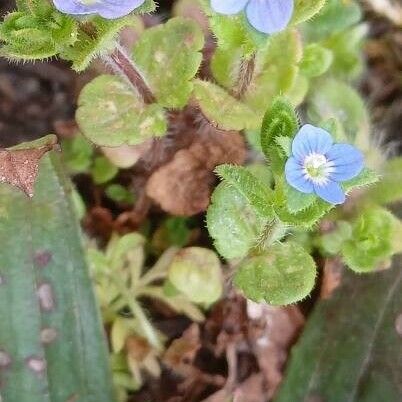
(119, 194)
(96, 37)
(257, 194)
(306, 215)
(336, 16)
(276, 71)
(280, 121)
(371, 242)
(364, 179)
(389, 189)
(284, 274)
(110, 114)
(169, 57)
(51, 332)
(103, 170)
(347, 351)
(233, 32)
(306, 9)
(298, 201)
(316, 60)
(28, 36)
(77, 154)
(196, 272)
(331, 243)
(336, 99)
(232, 222)
(346, 48)
(222, 109)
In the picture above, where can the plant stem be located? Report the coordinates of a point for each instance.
(149, 331)
(159, 270)
(122, 64)
(245, 76)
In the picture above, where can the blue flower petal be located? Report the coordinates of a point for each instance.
(311, 139)
(348, 161)
(72, 7)
(270, 16)
(228, 7)
(331, 192)
(296, 178)
(118, 8)
(109, 9)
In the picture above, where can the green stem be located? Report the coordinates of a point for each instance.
(138, 312)
(159, 270)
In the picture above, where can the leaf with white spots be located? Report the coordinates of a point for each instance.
(111, 114)
(52, 346)
(169, 56)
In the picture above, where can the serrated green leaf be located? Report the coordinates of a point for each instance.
(371, 242)
(285, 145)
(110, 114)
(364, 179)
(196, 273)
(169, 57)
(232, 222)
(313, 208)
(259, 196)
(347, 351)
(306, 9)
(222, 109)
(298, 201)
(280, 121)
(27, 36)
(284, 274)
(316, 60)
(96, 37)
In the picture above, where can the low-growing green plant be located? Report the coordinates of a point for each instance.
(186, 280)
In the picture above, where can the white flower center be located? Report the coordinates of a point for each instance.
(317, 168)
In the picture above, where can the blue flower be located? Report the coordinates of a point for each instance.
(318, 165)
(267, 16)
(106, 8)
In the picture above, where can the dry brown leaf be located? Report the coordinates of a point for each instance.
(181, 353)
(276, 331)
(19, 165)
(183, 186)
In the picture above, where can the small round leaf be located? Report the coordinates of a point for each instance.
(285, 274)
(196, 272)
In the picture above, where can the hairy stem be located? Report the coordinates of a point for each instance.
(246, 73)
(122, 64)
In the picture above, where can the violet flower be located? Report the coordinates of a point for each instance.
(267, 16)
(318, 165)
(109, 9)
